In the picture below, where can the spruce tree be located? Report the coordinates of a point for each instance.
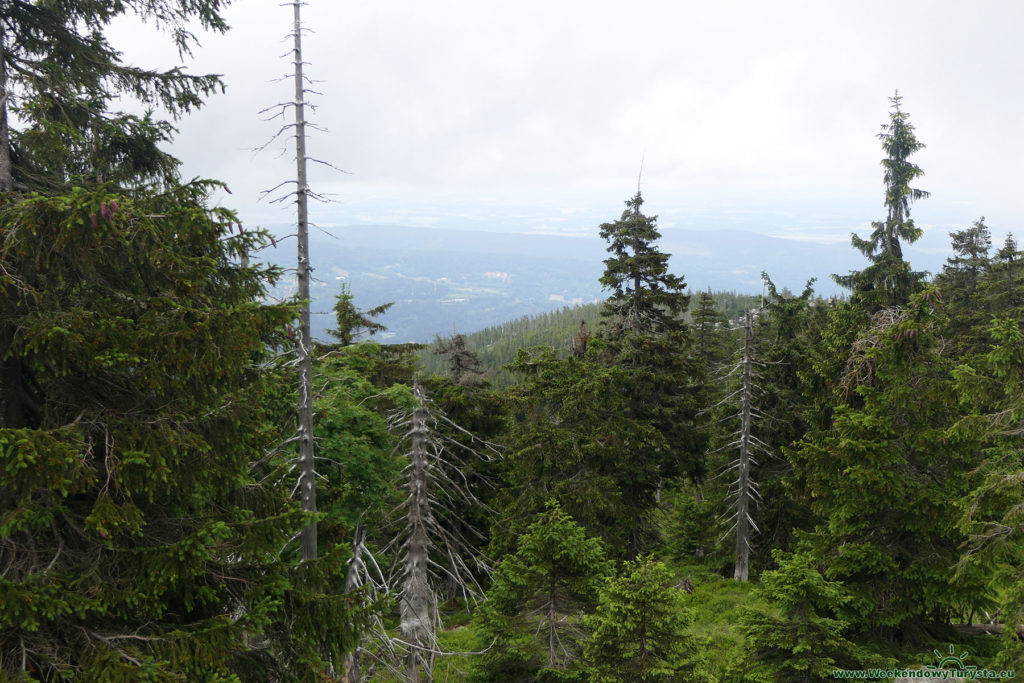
(143, 513)
(801, 637)
(970, 258)
(709, 333)
(649, 338)
(645, 297)
(352, 322)
(961, 286)
(889, 279)
(639, 627)
(989, 386)
(883, 476)
(578, 438)
(357, 460)
(787, 331)
(1001, 287)
(59, 77)
(534, 609)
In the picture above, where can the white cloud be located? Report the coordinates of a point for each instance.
(506, 112)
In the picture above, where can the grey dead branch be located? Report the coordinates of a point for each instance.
(434, 560)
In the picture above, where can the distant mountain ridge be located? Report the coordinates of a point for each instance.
(446, 281)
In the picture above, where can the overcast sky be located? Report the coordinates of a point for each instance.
(534, 116)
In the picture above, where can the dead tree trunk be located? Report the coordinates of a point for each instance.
(429, 545)
(306, 461)
(744, 482)
(6, 172)
(356, 567)
(743, 495)
(418, 603)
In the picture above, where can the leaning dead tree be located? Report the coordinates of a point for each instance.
(430, 547)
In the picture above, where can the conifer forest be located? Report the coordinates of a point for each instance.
(669, 485)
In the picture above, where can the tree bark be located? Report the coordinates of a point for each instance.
(6, 172)
(552, 615)
(418, 601)
(306, 461)
(744, 482)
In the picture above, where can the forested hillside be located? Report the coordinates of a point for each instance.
(666, 486)
(495, 347)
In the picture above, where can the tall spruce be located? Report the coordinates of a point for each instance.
(888, 280)
(143, 516)
(647, 336)
(603, 430)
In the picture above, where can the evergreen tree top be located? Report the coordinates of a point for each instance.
(645, 297)
(899, 142)
(888, 280)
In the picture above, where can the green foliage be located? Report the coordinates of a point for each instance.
(575, 439)
(713, 344)
(885, 475)
(532, 619)
(649, 339)
(960, 284)
(798, 636)
(638, 632)
(993, 514)
(1000, 288)
(688, 520)
(785, 334)
(718, 647)
(710, 333)
(970, 259)
(142, 520)
(645, 297)
(352, 322)
(889, 279)
(355, 450)
(62, 76)
(496, 346)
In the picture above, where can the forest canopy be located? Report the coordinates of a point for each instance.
(666, 485)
